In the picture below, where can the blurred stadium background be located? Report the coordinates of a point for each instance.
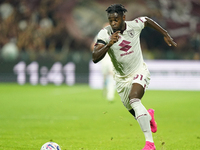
(48, 41)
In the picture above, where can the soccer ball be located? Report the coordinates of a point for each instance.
(50, 146)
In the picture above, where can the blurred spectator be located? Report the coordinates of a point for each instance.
(10, 51)
(181, 11)
(54, 27)
(6, 10)
(195, 45)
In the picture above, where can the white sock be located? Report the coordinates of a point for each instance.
(143, 118)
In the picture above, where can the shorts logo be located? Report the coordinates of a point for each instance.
(131, 33)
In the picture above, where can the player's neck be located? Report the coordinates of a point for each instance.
(123, 28)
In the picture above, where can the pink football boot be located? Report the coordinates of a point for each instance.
(149, 146)
(152, 122)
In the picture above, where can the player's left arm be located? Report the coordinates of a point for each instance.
(168, 39)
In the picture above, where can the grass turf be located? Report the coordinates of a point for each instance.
(79, 118)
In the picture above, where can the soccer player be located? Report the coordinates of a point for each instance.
(121, 40)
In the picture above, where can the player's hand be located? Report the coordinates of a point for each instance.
(169, 40)
(114, 38)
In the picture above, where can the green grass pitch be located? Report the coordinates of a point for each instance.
(79, 118)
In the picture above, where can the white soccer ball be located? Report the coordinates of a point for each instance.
(50, 146)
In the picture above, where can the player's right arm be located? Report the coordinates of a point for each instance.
(101, 49)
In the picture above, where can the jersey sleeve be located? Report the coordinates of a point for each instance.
(102, 37)
(139, 23)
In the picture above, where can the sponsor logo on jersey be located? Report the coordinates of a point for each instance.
(126, 53)
(125, 47)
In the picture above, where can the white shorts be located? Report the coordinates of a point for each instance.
(142, 77)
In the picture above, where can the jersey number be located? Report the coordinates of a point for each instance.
(141, 76)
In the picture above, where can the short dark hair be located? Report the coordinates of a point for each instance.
(116, 8)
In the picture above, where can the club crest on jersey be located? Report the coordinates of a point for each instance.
(131, 33)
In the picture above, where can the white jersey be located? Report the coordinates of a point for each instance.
(126, 54)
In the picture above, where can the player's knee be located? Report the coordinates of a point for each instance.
(133, 95)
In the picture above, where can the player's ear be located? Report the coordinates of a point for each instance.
(124, 17)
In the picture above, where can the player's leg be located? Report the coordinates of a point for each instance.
(135, 93)
(107, 67)
(110, 80)
(141, 114)
(110, 87)
(143, 78)
(132, 112)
